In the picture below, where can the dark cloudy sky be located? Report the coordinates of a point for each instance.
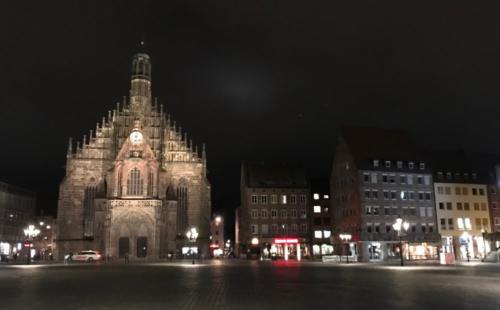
(257, 79)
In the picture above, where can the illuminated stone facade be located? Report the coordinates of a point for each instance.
(135, 184)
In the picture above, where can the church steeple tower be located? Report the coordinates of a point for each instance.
(140, 84)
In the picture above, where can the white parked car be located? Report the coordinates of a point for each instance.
(87, 256)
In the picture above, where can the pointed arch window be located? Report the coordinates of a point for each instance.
(150, 183)
(134, 183)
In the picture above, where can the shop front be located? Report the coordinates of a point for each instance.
(284, 248)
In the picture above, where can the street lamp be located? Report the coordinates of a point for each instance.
(192, 234)
(30, 232)
(346, 238)
(399, 226)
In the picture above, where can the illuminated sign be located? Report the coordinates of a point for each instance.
(286, 240)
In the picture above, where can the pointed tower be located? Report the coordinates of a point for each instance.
(140, 85)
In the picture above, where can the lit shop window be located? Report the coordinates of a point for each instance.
(316, 196)
(317, 209)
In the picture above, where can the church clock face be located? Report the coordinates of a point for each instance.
(136, 137)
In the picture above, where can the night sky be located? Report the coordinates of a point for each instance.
(264, 79)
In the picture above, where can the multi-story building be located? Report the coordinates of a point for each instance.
(494, 200)
(321, 216)
(377, 177)
(273, 218)
(17, 210)
(217, 236)
(135, 185)
(462, 209)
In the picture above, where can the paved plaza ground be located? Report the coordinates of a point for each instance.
(248, 285)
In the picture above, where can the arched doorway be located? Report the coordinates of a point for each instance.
(142, 246)
(123, 246)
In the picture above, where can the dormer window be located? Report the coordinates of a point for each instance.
(411, 165)
(375, 163)
(448, 175)
(474, 176)
(422, 166)
(440, 175)
(388, 164)
(399, 164)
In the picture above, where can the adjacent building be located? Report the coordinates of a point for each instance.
(217, 236)
(321, 215)
(377, 177)
(273, 217)
(462, 205)
(135, 184)
(17, 211)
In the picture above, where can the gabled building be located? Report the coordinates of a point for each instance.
(135, 184)
(273, 217)
(377, 177)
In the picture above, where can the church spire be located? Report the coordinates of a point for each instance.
(140, 84)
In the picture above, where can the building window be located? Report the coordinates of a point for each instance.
(411, 195)
(375, 210)
(388, 164)
(402, 179)
(375, 163)
(474, 191)
(316, 196)
(253, 199)
(368, 227)
(318, 234)
(326, 196)
(409, 179)
(274, 213)
(283, 213)
(293, 228)
(497, 221)
(460, 223)
(327, 233)
(302, 199)
(263, 213)
(374, 178)
(476, 206)
(443, 224)
(294, 213)
(427, 179)
(303, 228)
(366, 177)
(399, 164)
(481, 191)
(293, 199)
(392, 178)
(449, 206)
(263, 199)
(386, 194)
(264, 229)
(274, 228)
(422, 166)
(303, 213)
(254, 213)
(134, 183)
(274, 199)
(493, 191)
(420, 195)
(393, 195)
(431, 228)
(440, 175)
(494, 205)
(420, 180)
(465, 191)
(440, 190)
(404, 195)
(483, 206)
(283, 228)
(459, 206)
(450, 224)
(427, 196)
(317, 209)
(466, 206)
(411, 165)
(368, 210)
(467, 223)
(283, 199)
(254, 229)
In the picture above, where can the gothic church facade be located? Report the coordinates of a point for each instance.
(135, 185)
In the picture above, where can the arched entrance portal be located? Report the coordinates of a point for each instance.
(142, 246)
(123, 246)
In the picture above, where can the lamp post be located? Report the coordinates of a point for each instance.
(30, 232)
(399, 226)
(192, 234)
(346, 238)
